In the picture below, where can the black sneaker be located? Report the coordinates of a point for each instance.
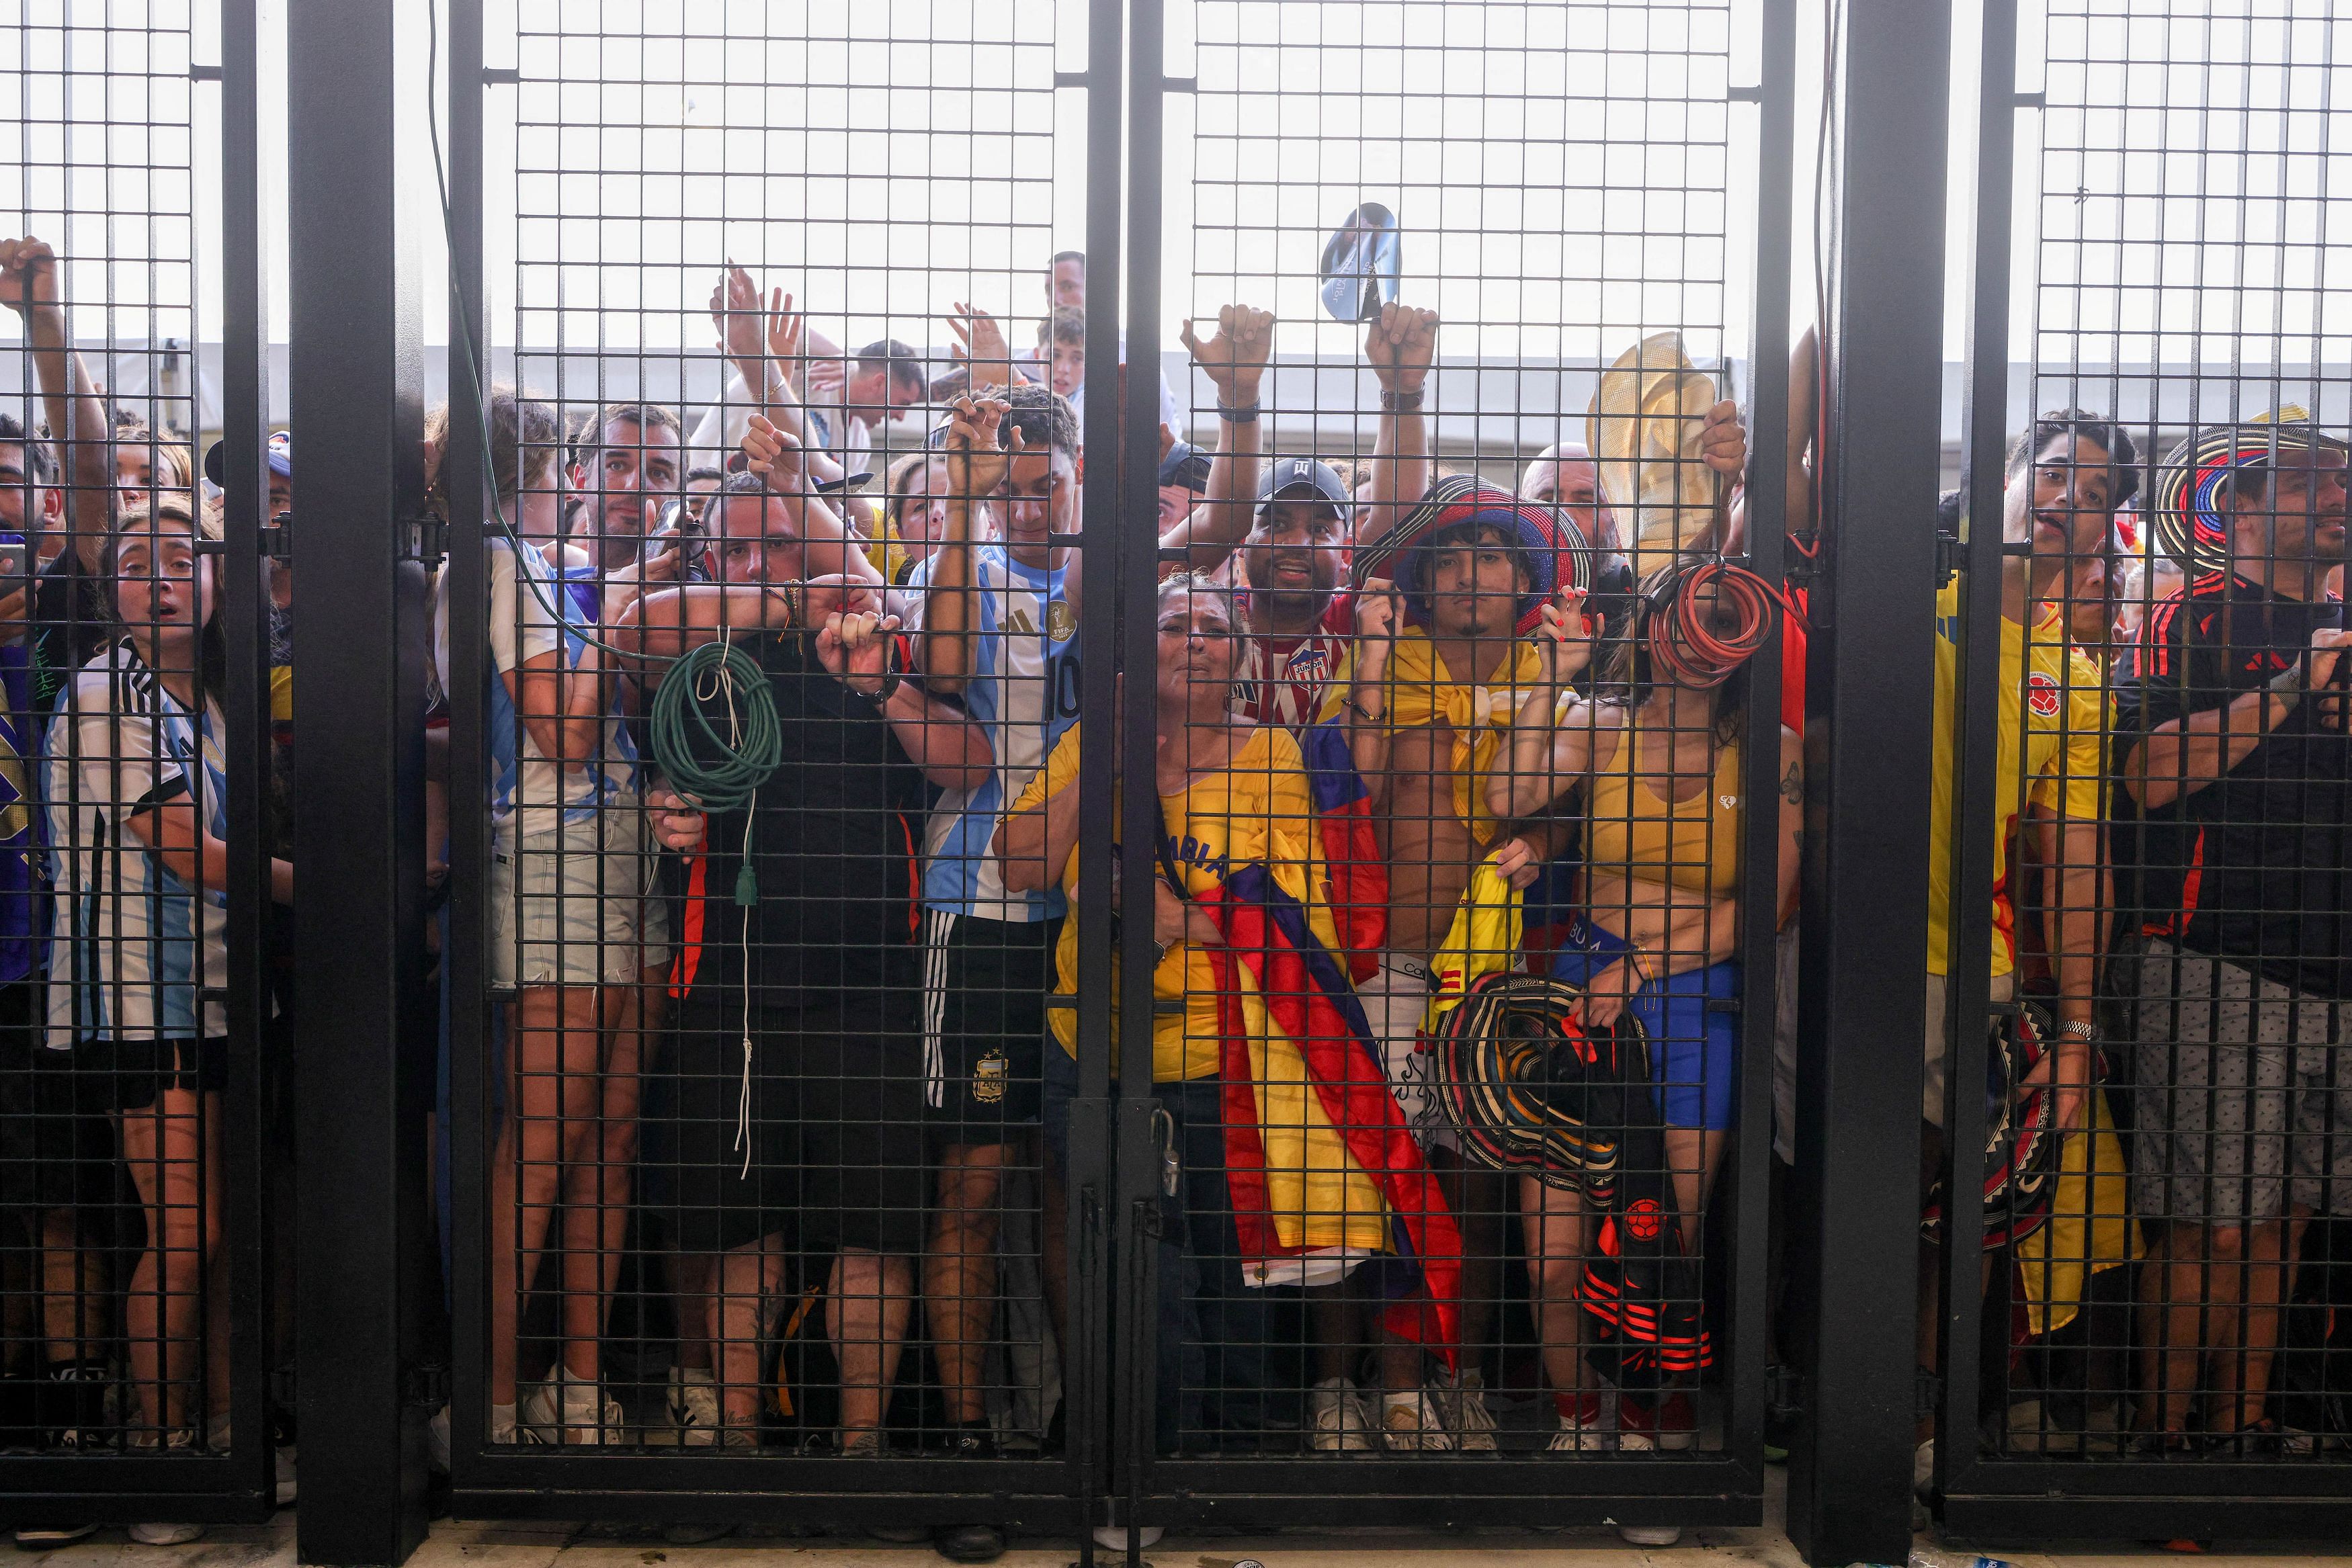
(73, 1405)
(969, 1542)
(973, 1440)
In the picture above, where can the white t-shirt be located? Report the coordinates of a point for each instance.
(133, 947)
(529, 792)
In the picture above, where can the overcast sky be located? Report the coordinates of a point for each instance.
(1568, 175)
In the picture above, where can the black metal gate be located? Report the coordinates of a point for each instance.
(2148, 1350)
(603, 235)
(1201, 1284)
(140, 1345)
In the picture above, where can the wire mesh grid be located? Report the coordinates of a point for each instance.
(768, 1015)
(2159, 1280)
(113, 914)
(1455, 767)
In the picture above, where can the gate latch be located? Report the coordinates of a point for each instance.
(1784, 1392)
(425, 1387)
(425, 540)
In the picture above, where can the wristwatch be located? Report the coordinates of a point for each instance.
(2079, 1029)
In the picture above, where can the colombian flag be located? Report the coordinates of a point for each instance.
(1279, 992)
(1355, 878)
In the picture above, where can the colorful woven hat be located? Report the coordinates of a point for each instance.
(2191, 524)
(1552, 546)
(1530, 1089)
(2022, 1143)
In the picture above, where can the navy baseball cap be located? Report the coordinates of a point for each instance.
(1287, 475)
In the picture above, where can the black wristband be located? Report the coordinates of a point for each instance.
(1401, 402)
(1245, 414)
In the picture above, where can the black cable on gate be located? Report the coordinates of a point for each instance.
(679, 735)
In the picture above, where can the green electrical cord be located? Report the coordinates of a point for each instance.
(752, 749)
(682, 733)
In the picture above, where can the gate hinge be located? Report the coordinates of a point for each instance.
(1784, 1392)
(425, 1387)
(424, 540)
(1926, 1393)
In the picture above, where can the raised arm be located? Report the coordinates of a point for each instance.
(2183, 756)
(69, 400)
(1400, 346)
(1547, 750)
(1379, 611)
(1234, 361)
(977, 466)
(980, 347)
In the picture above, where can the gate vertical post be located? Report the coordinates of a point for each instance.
(1138, 1162)
(1869, 749)
(354, 121)
(245, 432)
(1088, 1179)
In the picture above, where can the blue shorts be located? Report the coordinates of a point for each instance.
(1694, 1047)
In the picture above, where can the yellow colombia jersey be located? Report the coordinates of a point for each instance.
(2053, 752)
(1256, 810)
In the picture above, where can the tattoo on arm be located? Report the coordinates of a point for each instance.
(1792, 785)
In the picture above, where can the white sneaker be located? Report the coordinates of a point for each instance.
(284, 1475)
(1588, 1431)
(1113, 1537)
(1649, 1535)
(571, 1410)
(166, 1534)
(503, 1427)
(1409, 1424)
(1463, 1403)
(436, 1439)
(1343, 1418)
(693, 1407)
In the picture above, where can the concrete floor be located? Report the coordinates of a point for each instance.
(461, 1543)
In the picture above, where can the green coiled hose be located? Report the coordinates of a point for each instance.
(747, 738)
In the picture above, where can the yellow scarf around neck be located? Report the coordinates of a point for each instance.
(1422, 691)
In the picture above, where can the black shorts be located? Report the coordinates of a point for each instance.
(56, 1151)
(984, 987)
(127, 1074)
(834, 1124)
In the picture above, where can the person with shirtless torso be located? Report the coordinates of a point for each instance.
(1431, 683)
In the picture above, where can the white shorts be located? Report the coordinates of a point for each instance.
(567, 907)
(1939, 991)
(1394, 1000)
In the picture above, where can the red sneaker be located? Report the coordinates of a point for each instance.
(1672, 1422)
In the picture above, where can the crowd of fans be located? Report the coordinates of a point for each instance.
(786, 900)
